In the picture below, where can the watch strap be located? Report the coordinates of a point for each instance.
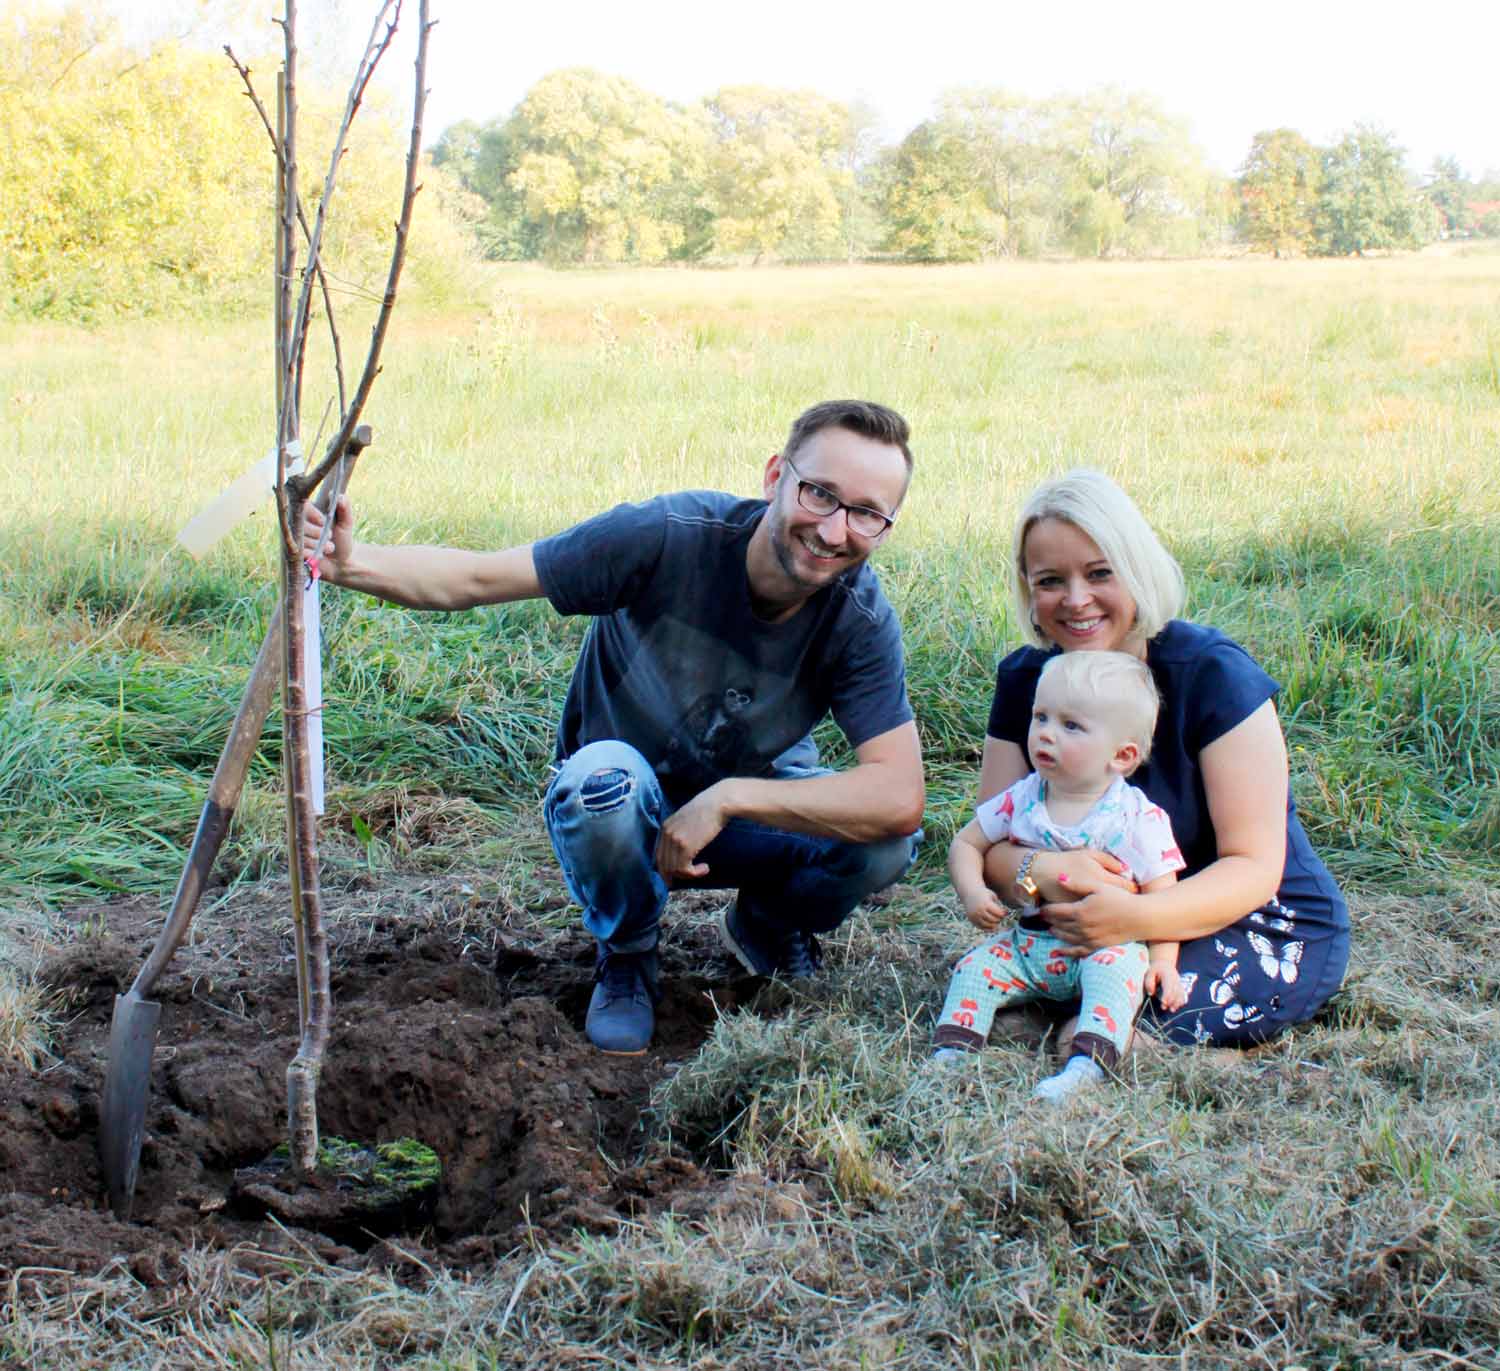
(1024, 883)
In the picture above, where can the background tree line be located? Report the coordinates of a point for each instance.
(141, 181)
(592, 168)
(1355, 195)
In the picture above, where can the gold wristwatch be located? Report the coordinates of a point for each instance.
(1028, 888)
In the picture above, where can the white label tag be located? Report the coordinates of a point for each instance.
(236, 502)
(313, 684)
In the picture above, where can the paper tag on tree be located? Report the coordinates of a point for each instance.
(237, 501)
(313, 686)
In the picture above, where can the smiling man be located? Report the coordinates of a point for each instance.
(724, 630)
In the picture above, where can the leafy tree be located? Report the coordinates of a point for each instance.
(599, 165)
(1366, 201)
(779, 171)
(1096, 221)
(138, 182)
(457, 150)
(857, 186)
(1450, 193)
(1009, 159)
(483, 156)
(121, 179)
(1133, 177)
(1484, 204)
(1279, 186)
(935, 210)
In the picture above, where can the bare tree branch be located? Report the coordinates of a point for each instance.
(375, 48)
(398, 258)
(265, 119)
(292, 494)
(68, 66)
(289, 378)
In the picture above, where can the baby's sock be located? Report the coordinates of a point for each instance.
(1081, 1073)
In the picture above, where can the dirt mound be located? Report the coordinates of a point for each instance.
(466, 1036)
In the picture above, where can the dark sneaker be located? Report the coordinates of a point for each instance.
(766, 951)
(622, 1009)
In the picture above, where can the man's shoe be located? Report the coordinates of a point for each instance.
(766, 951)
(622, 1009)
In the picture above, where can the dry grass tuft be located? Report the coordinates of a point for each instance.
(28, 1019)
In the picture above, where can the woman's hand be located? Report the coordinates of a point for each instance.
(1059, 875)
(1072, 875)
(1106, 917)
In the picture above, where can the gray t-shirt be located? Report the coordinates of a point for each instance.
(676, 663)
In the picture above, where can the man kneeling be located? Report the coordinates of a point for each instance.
(724, 630)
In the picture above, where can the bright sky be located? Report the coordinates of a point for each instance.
(1428, 76)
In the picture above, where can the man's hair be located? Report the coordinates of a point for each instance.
(863, 417)
(1118, 682)
(1095, 505)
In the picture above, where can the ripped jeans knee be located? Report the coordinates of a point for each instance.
(604, 812)
(605, 790)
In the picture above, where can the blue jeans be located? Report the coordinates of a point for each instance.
(604, 811)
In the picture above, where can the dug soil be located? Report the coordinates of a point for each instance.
(456, 1024)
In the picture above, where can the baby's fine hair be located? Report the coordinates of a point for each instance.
(1115, 679)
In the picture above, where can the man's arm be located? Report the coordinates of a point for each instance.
(880, 797)
(419, 577)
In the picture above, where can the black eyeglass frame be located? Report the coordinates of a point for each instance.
(850, 511)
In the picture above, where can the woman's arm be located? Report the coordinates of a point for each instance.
(1004, 764)
(1245, 779)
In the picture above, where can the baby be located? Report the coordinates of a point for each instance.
(1091, 727)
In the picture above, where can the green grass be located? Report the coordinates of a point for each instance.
(1315, 440)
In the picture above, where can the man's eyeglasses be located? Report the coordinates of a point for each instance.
(819, 500)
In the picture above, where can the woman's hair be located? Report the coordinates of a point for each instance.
(1095, 505)
(1118, 685)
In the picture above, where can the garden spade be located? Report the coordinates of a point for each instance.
(132, 1031)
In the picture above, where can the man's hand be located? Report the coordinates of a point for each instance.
(339, 543)
(1163, 981)
(985, 910)
(687, 833)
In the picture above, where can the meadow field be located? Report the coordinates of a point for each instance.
(1317, 441)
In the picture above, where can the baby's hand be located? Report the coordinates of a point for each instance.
(1166, 984)
(985, 911)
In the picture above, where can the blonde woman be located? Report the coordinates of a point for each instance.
(1263, 928)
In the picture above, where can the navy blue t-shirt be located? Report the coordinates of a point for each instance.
(1208, 684)
(676, 662)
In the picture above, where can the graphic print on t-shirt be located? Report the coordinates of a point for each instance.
(717, 714)
(713, 733)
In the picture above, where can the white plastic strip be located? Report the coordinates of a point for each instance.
(236, 502)
(313, 671)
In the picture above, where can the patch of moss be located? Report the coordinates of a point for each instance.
(403, 1167)
(408, 1163)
